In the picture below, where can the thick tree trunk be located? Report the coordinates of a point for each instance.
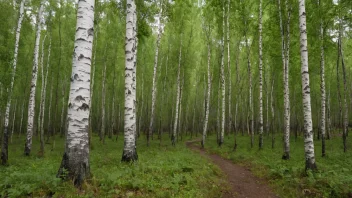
(308, 125)
(205, 127)
(261, 122)
(31, 104)
(129, 151)
(5, 139)
(75, 161)
(322, 84)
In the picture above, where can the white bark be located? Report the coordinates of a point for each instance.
(205, 127)
(102, 130)
(42, 88)
(129, 151)
(154, 86)
(229, 66)
(223, 86)
(261, 124)
(322, 84)
(308, 125)
(4, 150)
(31, 104)
(285, 61)
(76, 157)
(173, 138)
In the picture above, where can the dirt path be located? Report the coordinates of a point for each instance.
(241, 181)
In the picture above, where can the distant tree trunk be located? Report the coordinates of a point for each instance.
(222, 77)
(31, 105)
(229, 66)
(92, 84)
(250, 119)
(328, 118)
(180, 108)
(50, 104)
(154, 86)
(345, 117)
(75, 161)
(21, 122)
(102, 130)
(272, 113)
(308, 126)
(13, 120)
(322, 84)
(5, 139)
(43, 100)
(42, 88)
(338, 78)
(129, 151)
(178, 90)
(205, 128)
(261, 123)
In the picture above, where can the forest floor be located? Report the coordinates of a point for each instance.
(242, 182)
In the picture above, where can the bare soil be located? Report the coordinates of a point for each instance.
(242, 183)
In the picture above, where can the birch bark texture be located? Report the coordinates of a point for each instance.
(322, 84)
(75, 161)
(4, 150)
(308, 125)
(154, 86)
(261, 124)
(205, 127)
(222, 78)
(31, 105)
(178, 91)
(129, 150)
(229, 66)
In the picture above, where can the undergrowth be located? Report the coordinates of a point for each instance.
(289, 179)
(161, 171)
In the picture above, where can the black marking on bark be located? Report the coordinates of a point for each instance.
(80, 57)
(91, 32)
(79, 98)
(84, 107)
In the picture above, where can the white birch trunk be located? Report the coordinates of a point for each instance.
(75, 161)
(223, 86)
(41, 92)
(31, 104)
(129, 151)
(207, 99)
(154, 86)
(285, 62)
(229, 65)
(308, 125)
(4, 150)
(261, 124)
(322, 84)
(43, 101)
(102, 130)
(173, 138)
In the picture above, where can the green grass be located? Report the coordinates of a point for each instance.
(288, 178)
(162, 171)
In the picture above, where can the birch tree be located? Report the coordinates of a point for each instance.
(5, 140)
(129, 151)
(31, 105)
(154, 86)
(222, 76)
(308, 125)
(229, 65)
(75, 161)
(261, 124)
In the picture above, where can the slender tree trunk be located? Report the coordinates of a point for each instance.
(42, 88)
(21, 122)
(205, 127)
(308, 125)
(129, 151)
(13, 120)
(50, 104)
(75, 161)
(222, 77)
(31, 105)
(154, 86)
(102, 130)
(322, 84)
(272, 113)
(43, 100)
(229, 66)
(345, 117)
(5, 139)
(178, 90)
(328, 118)
(261, 123)
(338, 78)
(92, 85)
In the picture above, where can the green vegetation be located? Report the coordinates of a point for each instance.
(288, 177)
(162, 171)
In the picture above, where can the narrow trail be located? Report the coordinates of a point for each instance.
(241, 181)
